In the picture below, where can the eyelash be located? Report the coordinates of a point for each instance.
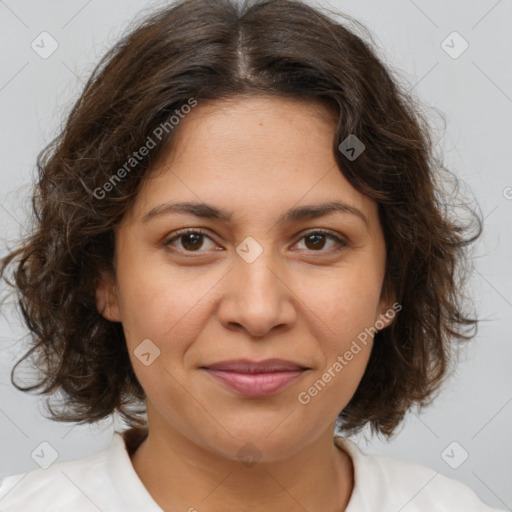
(342, 244)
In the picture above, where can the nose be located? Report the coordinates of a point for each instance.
(258, 296)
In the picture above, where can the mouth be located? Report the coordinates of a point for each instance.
(252, 378)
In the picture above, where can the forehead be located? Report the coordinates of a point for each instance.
(250, 156)
(248, 128)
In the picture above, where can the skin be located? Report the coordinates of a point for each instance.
(257, 157)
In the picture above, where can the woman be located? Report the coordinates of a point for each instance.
(240, 247)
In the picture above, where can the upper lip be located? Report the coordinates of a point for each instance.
(248, 366)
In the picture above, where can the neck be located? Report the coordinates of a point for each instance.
(180, 475)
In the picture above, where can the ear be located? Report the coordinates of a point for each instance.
(107, 301)
(387, 311)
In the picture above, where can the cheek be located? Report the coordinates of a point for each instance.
(165, 305)
(344, 305)
(345, 347)
(330, 390)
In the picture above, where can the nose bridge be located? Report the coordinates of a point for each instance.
(258, 297)
(255, 266)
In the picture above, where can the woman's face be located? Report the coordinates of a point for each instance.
(260, 284)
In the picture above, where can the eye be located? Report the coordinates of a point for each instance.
(315, 240)
(191, 239)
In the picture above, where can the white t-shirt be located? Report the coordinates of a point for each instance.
(107, 482)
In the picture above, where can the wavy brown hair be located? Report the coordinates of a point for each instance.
(217, 50)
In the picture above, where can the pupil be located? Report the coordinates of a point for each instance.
(316, 239)
(194, 244)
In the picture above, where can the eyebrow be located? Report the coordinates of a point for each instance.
(207, 211)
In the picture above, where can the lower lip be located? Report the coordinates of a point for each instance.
(256, 384)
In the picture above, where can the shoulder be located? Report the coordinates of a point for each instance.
(384, 483)
(70, 485)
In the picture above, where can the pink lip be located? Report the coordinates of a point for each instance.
(256, 384)
(256, 378)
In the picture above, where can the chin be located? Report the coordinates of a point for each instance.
(265, 444)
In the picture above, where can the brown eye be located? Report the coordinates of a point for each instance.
(191, 240)
(316, 241)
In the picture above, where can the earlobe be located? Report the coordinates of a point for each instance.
(106, 298)
(384, 320)
(388, 310)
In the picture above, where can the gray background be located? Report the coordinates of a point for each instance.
(473, 91)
